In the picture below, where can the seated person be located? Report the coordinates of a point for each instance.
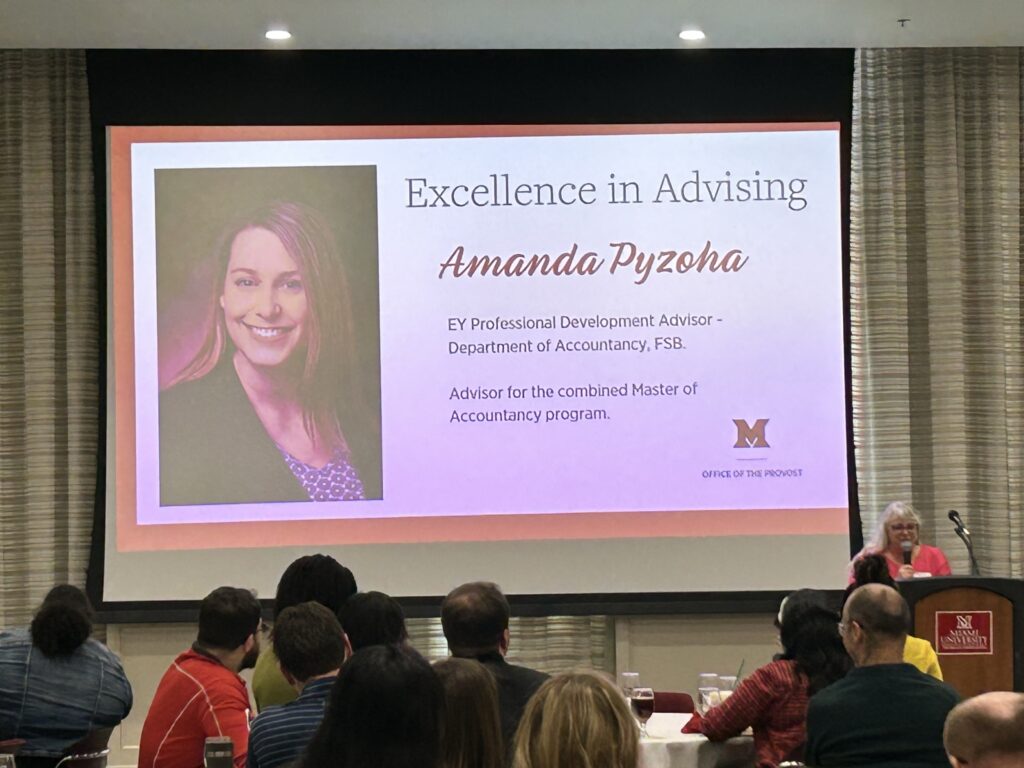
(310, 648)
(385, 711)
(56, 683)
(474, 618)
(201, 694)
(577, 719)
(986, 731)
(373, 618)
(471, 736)
(320, 578)
(884, 713)
(773, 700)
(871, 569)
(900, 525)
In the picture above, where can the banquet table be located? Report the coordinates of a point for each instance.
(666, 747)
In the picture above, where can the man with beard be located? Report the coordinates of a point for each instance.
(201, 694)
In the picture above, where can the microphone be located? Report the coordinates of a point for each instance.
(908, 550)
(955, 517)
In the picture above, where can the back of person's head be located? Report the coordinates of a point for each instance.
(798, 601)
(881, 612)
(577, 720)
(385, 711)
(474, 618)
(810, 637)
(63, 622)
(227, 616)
(986, 731)
(471, 736)
(869, 569)
(309, 641)
(319, 578)
(373, 618)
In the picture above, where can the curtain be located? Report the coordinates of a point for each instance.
(49, 327)
(935, 286)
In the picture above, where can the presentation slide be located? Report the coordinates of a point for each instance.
(449, 352)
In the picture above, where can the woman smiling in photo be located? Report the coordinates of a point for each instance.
(271, 408)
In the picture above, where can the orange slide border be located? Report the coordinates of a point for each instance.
(506, 527)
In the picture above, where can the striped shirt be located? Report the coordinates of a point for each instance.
(197, 697)
(280, 734)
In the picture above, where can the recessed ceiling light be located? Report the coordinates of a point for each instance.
(278, 34)
(691, 35)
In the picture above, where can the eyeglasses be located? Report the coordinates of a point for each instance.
(903, 527)
(263, 628)
(841, 626)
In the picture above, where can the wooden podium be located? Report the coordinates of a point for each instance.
(976, 625)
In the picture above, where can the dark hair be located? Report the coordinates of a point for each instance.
(880, 610)
(385, 711)
(373, 618)
(474, 616)
(308, 641)
(798, 601)
(320, 578)
(227, 616)
(810, 637)
(869, 569)
(471, 736)
(63, 622)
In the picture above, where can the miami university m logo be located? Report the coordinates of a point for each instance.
(750, 436)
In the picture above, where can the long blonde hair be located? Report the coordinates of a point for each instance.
(879, 541)
(577, 720)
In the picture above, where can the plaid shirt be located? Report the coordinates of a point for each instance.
(773, 701)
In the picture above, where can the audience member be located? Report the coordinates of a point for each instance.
(577, 720)
(773, 700)
(474, 618)
(986, 731)
(320, 578)
(872, 569)
(385, 711)
(884, 712)
(201, 694)
(56, 683)
(310, 647)
(373, 618)
(471, 736)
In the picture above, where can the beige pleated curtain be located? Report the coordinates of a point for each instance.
(936, 306)
(936, 293)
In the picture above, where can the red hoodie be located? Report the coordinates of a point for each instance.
(197, 697)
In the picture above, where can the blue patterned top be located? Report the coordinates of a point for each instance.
(337, 480)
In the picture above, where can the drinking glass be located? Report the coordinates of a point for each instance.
(707, 691)
(628, 681)
(642, 701)
(726, 686)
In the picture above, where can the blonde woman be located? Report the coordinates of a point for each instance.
(577, 720)
(900, 523)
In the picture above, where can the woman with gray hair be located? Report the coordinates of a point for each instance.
(896, 538)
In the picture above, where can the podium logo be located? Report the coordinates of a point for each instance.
(748, 436)
(963, 633)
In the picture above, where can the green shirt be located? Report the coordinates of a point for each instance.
(882, 716)
(269, 687)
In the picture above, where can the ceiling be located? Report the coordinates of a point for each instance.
(425, 24)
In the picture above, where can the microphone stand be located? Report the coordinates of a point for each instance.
(966, 539)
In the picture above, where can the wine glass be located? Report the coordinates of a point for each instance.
(642, 701)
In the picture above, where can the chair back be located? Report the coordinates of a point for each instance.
(667, 701)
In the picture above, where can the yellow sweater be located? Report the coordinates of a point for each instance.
(920, 653)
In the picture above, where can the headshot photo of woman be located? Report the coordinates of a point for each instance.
(271, 406)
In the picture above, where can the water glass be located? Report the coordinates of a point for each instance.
(707, 691)
(628, 681)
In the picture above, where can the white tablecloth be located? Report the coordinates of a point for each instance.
(666, 747)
